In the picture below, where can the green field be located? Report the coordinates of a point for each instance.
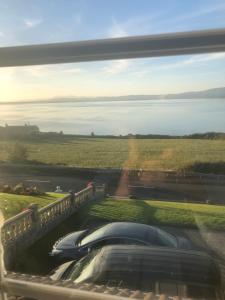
(156, 212)
(150, 154)
(11, 204)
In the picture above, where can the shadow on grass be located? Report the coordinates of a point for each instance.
(51, 197)
(207, 167)
(48, 138)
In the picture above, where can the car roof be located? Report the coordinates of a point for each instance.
(159, 263)
(125, 229)
(129, 229)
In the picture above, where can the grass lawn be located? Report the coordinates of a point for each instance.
(149, 154)
(11, 204)
(156, 212)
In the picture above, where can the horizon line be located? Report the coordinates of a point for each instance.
(93, 98)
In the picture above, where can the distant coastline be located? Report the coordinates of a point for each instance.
(33, 132)
(214, 93)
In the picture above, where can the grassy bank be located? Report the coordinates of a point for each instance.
(156, 212)
(11, 204)
(151, 154)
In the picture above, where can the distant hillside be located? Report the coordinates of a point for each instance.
(210, 93)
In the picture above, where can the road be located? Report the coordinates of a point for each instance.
(124, 186)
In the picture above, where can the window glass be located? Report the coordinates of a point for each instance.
(164, 238)
(94, 236)
(132, 140)
(84, 269)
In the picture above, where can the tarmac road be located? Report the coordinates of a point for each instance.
(125, 187)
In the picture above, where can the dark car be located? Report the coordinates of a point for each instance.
(155, 269)
(77, 244)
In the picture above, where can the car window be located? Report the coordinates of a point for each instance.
(95, 235)
(166, 239)
(110, 241)
(98, 244)
(126, 241)
(84, 265)
(113, 241)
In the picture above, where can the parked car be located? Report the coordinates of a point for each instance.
(77, 244)
(190, 274)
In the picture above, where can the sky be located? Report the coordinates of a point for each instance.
(40, 21)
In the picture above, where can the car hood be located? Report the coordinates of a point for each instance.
(69, 241)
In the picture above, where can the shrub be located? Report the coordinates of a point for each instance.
(18, 153)
(6, 188)
(19, 189)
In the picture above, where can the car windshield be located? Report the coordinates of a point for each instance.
(166, 239)
(97, 234)
(84, 269)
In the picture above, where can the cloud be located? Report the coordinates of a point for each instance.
(204, 57)
(117, 66)
(201, 12)
(53, 70)
(136, 25)
(141, 73)
(116, 30)
(1, 34)
(128, 27)
(73, 71)
(37, 72)
(195, 59)
(30, 23)
(6, 74)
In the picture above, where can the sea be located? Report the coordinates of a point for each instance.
(164, 116)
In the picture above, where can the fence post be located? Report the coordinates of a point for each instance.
(34, 212)
(72, 198)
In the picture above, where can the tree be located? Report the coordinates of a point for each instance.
(18, 153)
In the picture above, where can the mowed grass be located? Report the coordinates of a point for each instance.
(156, 212)
(11, 204)
(149, 154)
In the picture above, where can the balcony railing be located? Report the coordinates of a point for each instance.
(205, 41)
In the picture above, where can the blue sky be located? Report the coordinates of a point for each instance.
(38, 21)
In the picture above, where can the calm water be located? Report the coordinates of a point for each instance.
(121, 117)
